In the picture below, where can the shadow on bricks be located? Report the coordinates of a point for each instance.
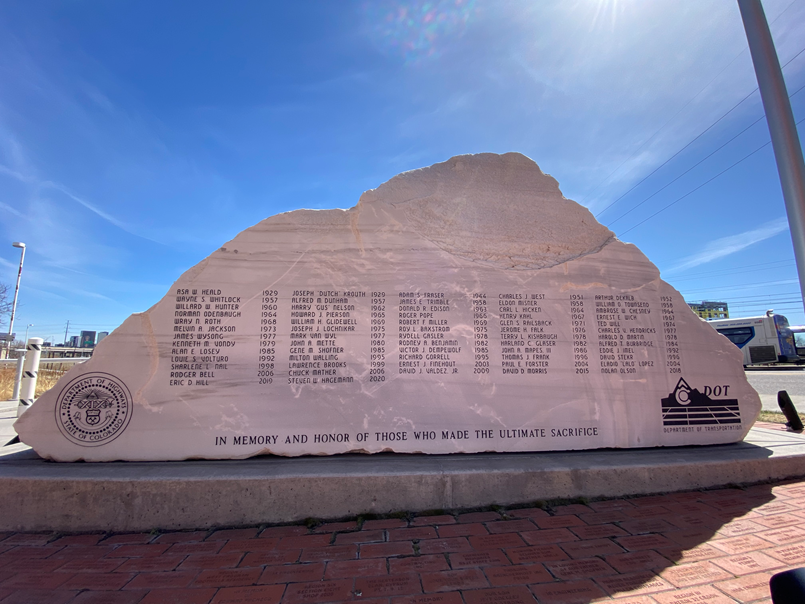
(715, 546)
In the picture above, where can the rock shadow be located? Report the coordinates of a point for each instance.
(679, 546)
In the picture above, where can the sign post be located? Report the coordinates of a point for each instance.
(29, 371)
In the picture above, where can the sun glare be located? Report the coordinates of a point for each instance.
(606, 12)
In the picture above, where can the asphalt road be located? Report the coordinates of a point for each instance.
(768, 382)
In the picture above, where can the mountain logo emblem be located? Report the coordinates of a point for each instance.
(687, 406)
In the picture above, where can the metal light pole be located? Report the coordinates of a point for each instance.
(784, 136)
(26, 331)
(16, 293)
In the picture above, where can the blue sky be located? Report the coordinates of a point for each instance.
(137, 137)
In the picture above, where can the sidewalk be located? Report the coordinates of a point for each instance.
(8, 415)
(714, 546)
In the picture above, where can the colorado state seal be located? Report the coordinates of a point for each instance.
(93, 409)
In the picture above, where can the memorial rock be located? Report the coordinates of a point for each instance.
(459, 308)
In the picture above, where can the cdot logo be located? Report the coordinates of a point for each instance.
(687, 406)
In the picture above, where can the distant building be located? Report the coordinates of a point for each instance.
(73, 342)
(60, 351)
(710, 310)
(87, 339)
(101, 336)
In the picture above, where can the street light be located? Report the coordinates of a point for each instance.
(26, 332)
(16, 293)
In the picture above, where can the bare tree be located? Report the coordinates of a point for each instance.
(5, 302)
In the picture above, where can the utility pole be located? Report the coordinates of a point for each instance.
(66, 329)
(783, 129)
(10, 341)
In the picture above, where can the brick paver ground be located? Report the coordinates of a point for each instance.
(711, 546)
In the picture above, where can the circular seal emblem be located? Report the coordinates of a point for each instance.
(93, 409)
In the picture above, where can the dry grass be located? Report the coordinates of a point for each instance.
(776, 417)
(46, 379)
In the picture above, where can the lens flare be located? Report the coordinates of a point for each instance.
(417, 29)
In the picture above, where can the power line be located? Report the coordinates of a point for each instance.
(744, 304)
(649, 139)
(760, 311)
(675, 154)
(735, 271)
(795, 301)
(668, 184)
(744, 286)
(747, 285)
(776, 302)
(694, 140)
(748, 300)
(772, 300)
(771, 305)
(699, 162)
(728, 298)
(745, 157)
(731, 273)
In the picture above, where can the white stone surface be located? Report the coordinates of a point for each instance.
(463, 307)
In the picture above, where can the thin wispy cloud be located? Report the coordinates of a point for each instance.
(9, 209)
(88, 205)
(95, 295)
(14, 174)
(726, 246)
(49, 184)
(27, 179)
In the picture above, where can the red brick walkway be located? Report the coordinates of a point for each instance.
(702, 546)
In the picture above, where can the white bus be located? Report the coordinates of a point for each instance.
(766, 339)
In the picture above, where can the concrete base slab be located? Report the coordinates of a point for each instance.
(36, 495)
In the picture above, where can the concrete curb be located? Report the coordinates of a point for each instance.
(41, 496)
